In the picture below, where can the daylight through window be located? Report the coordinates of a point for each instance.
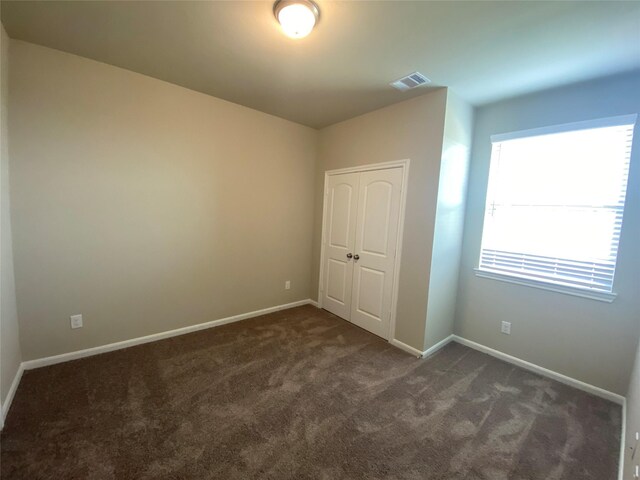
(555, 203)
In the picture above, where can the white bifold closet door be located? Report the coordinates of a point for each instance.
(360, 240)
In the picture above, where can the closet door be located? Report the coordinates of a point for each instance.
(339, 240)
(379, 197)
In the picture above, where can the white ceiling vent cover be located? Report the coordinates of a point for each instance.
(413, 80)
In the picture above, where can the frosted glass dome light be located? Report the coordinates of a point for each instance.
(297, 17)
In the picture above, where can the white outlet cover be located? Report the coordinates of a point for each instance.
(506, 328)
(76, 321)
(287, 285)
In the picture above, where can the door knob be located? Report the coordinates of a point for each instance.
(356, 257)
(349, 255)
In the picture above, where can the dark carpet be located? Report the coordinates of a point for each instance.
(301, 394)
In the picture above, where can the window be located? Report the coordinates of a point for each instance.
(554, 208)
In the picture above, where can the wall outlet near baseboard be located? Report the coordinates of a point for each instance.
(76, 321)
(287, 285)
(506, 328)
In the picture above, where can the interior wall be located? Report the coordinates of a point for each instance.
(10, 354)
(633, 419)
(146, 206)
(585, 339)
(449, 221)
(413, 130)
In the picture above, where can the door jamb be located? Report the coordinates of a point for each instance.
(404, 165)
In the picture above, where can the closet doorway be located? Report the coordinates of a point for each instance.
(363, 220)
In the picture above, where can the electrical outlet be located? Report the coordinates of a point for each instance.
(636, 473)
(287, 285)
(506, 328)
(76, 321)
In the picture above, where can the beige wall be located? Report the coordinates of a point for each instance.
(146, 206)
(449, 221)
(10, 354)
(585, 339)
(412, 129)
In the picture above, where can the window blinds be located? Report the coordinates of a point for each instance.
(555, 203)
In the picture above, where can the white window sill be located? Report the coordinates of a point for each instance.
(577, 292)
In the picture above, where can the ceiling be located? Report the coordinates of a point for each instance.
(484, 51)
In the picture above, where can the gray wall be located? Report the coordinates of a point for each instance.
(633, 418)
(412, 129)
(146, 206)
(585, 339)
(449, 221)
(10, 354)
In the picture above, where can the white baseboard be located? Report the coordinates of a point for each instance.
(623, 438)
(419, 353)
(407, 348)
(572, 382)
(11, 393)
(431, 350)
(65, 357)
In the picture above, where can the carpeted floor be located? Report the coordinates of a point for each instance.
(301, 394)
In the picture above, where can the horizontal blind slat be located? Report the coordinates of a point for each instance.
(593, 275)
(542, 259)
(605, 278)
(595, 288)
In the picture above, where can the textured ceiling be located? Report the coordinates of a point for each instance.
(484, 51)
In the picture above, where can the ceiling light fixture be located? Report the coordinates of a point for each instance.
(297, 17)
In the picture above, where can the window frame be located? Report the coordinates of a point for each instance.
(514, 278)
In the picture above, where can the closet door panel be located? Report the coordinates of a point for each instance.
(378, 216)
(339, 240)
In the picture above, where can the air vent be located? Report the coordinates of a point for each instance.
(413, 80)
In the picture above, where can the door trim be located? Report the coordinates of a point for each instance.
(404, 165)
